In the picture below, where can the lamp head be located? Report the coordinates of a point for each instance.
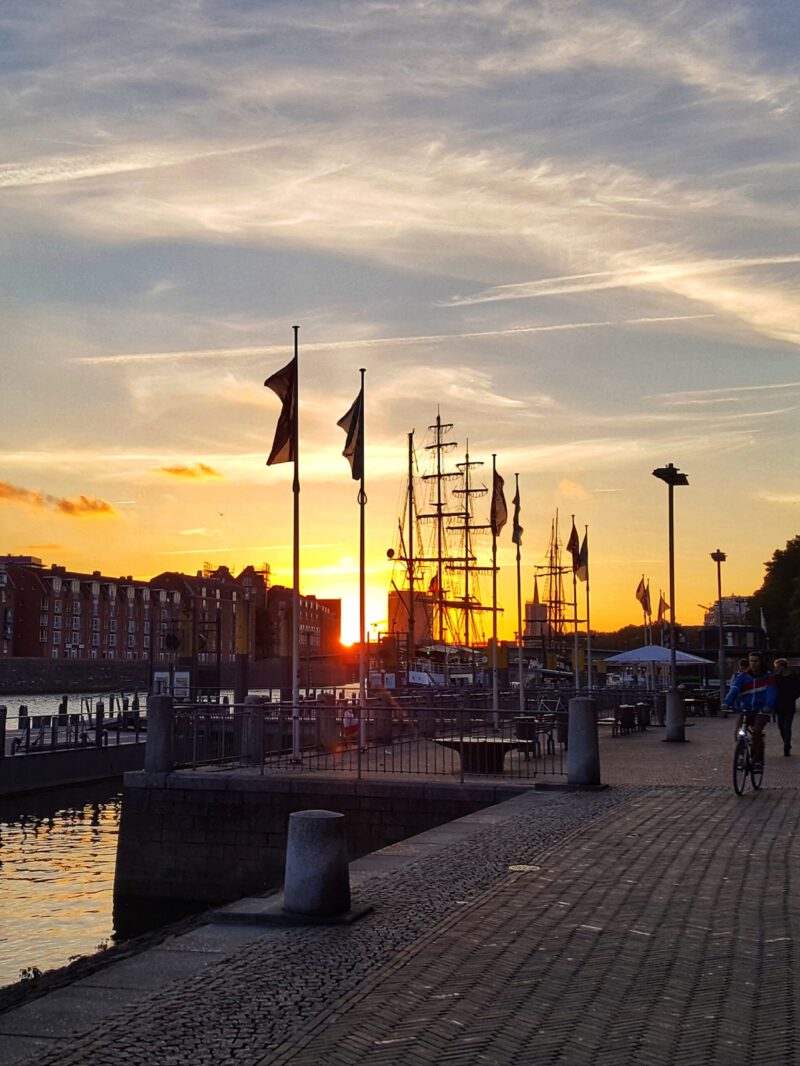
(671, 475)
(718, 556)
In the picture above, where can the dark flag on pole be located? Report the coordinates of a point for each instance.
(498, 515)
(516, 535)
(574, 548)
(353, 425)
(284, 384)
(583, 559)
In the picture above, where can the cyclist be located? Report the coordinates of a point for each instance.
(754, 694)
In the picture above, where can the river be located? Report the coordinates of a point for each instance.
(57, 855)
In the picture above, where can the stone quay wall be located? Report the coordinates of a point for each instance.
(211, 838)
(28, 677)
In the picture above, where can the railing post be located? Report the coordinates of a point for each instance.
(253, 730)
(3, 719)
(99, 715)
(158, 750)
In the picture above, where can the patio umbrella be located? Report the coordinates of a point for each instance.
(655, 653)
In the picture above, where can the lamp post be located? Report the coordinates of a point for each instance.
(675, 717)
(719, 558)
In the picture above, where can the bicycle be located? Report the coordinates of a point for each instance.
(743, 763)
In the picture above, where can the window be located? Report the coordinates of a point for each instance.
(56, 637)
(113, 625)
(112, 641)
(43, 636)
(57, 622)
(44, 619)
(131, 640)
(95, 625)
(57, 606)
(93, 654)
(95, 642)
(146, 642)
(76, 606)
(131, 627)
(45, 603)
(76, 586)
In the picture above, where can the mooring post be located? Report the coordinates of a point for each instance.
(583, 751)
(253, 730)
(158, 750)
(3, 718)
(317, 882)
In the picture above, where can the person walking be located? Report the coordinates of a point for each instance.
(754, 694)
(787, 691)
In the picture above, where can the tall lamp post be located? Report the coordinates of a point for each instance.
(719, 558)
(675, 717)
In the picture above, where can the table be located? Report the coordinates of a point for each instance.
(483, 755)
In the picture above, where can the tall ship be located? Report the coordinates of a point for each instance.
(549, 624)
(437, 617)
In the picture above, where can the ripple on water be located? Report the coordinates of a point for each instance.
(57, 857)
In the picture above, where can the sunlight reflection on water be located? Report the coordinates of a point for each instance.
(57, 857)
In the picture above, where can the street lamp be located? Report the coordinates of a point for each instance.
(675, 719)
(719, 558)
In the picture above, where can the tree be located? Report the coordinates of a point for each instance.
(779, 597)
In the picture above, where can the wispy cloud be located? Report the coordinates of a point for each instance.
(197, 471)
(75, 507)
(362, 343)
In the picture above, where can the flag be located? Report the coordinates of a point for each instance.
(498, 514)
(646, 601)
(641, 592)
(574, 547)
(763, 621)
(663, 607)
(516, 535)
(284, 384)
(353, 425)
(433, 587)
(583, 560)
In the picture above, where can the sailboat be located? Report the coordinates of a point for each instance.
(435, 606)
(547, 620)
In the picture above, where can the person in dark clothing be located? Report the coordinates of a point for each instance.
(787, 686)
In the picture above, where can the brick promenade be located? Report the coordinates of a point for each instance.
(652, 923)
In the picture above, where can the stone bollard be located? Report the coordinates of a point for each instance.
(158, 750)
(583, 752)
(675, 716)
(253, 730)
(317, 882)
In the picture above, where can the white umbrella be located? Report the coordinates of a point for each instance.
(655, 653)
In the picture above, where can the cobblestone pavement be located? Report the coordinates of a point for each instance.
(654, 924)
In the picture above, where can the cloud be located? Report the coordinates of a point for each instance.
(323, 347)
(572, 490)
(79, 506)
(201, 531)
(196, 471)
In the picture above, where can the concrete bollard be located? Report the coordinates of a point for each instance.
(253, 730)
(675, 716)
(317, 882)
(158, 750)
(583, 751)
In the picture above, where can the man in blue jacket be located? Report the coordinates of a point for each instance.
(754, 693)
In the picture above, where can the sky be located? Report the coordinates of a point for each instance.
(569, 226)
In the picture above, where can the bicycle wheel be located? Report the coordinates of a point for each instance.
(756, 776)
(741, 767)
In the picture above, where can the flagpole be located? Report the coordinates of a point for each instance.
(296, 564)
(362, 500)
(520, 637)
(575, 619)
(588, 627)
(495, 693)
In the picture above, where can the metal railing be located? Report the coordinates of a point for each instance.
(23, 734)
(449, 734)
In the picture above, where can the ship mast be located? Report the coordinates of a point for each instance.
(467, 562)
